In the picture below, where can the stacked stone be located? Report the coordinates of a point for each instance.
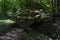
(15, 34)
(57, 32)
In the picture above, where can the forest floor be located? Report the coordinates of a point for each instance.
(20, 34)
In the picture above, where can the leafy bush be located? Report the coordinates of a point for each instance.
(5, 26)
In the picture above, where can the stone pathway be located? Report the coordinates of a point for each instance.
(15, 34)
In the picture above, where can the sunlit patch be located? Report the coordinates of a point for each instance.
(8, 21)
(37, 11)
(41, 10)
(0, 0)
(37, 15)
(42, 1)
(38, 1)
(48, 5)
(14, 0)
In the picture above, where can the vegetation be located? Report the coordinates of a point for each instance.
(12, 11)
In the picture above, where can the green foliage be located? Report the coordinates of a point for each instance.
(5, 26)
(17, 9)
(23, 8)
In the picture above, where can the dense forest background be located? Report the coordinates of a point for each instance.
(12, 11)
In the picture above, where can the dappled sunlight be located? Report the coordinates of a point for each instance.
(8, 21)
(0, 0)
(40, 19)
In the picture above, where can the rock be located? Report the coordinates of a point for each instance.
(5, 38)
(19, 30)
(9, 34)
(15, 34)
(50, 39)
